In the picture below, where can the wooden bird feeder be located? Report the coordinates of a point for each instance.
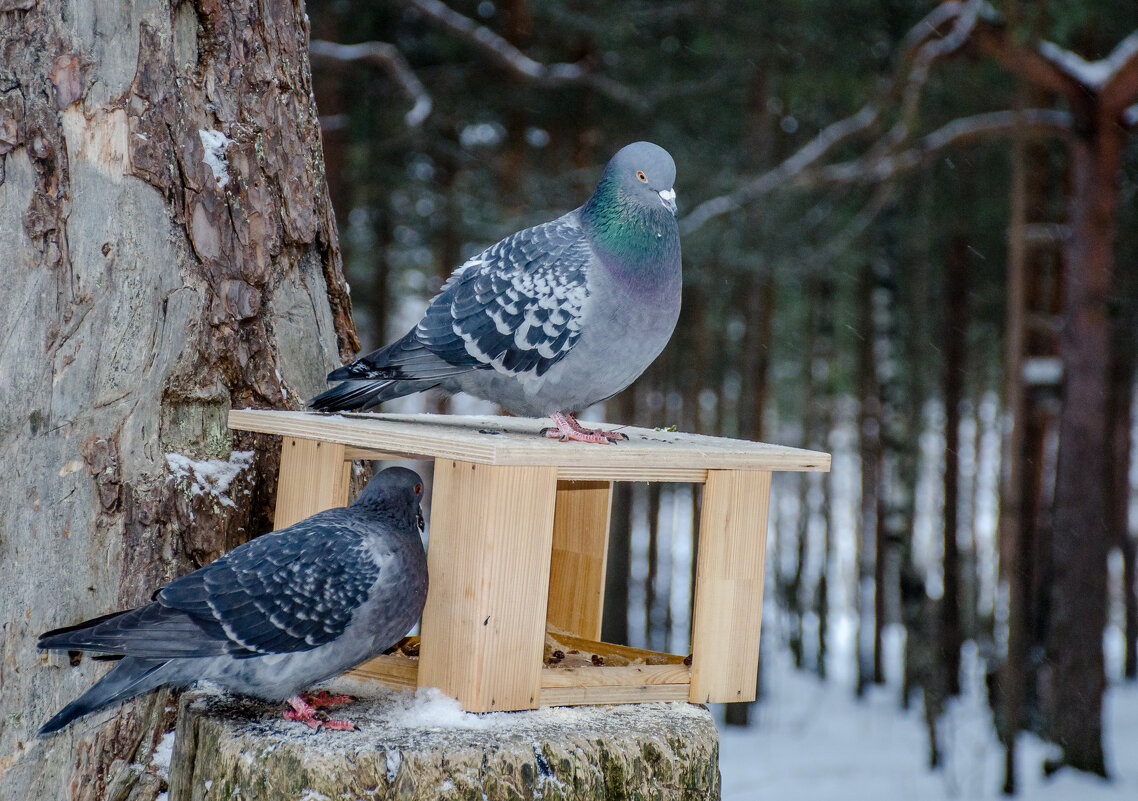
(518, 542)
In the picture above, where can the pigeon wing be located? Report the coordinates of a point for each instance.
(516, 306)
(291, 590)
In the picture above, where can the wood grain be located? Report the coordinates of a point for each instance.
(613, 676)
(488, 558)
(729, 586)
(392, 670)
(578, 696)
(516, 441)
(580, 551)
(314, 476)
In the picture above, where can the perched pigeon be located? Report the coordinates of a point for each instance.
(551, 319)
(275, 615)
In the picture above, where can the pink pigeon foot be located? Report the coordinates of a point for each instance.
(569, 429)
(322, 699)
(304, 713)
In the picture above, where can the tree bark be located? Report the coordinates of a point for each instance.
(1079, 543)
(170, 253)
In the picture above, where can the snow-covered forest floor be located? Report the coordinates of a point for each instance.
(813, 740)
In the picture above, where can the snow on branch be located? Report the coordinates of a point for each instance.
(923, 45)
(963, 131)
(387, 56)
(1108, 88)
(513, 60)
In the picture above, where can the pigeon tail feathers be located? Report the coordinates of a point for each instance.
(130, 677)
(362, 395)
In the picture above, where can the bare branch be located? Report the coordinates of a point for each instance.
(921, 47)
(387, 56)
(963, 131)
(1044, 68)
(513, 60)
(806, 156)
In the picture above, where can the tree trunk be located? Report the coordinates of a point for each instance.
(230, 749)
(1079, 543)
(956, 321)
(171, 254)
(1123, 347)
(869, 447)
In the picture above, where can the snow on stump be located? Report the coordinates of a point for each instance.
(423, 746)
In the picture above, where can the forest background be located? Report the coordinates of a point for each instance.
(909, 238)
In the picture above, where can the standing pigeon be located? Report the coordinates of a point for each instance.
(275, 615)
(551, 319)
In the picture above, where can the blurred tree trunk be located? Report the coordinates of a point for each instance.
(172, 255)
(614, 620)
(1124, 352)
(652, 633)
(823, 401)
(869, 448)
(1035, 289)
(913, 598)
(955, 345)
(1080, 537)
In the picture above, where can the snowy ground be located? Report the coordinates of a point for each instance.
(813, 740)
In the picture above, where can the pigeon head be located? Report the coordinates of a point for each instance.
(631, 217)
(645, 174)
(393, 493)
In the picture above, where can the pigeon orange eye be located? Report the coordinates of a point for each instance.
(640, 174)
(418, 488)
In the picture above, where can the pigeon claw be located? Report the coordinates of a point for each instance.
(568, 429)
(303, 712)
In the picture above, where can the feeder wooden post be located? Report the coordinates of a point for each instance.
(488, 561)
(580, 553)
(729, 586)
(313, 477)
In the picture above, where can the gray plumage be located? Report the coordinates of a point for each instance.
(551, 319)
(275, 615)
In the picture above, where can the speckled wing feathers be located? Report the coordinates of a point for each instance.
(288, 591)
(516, 306)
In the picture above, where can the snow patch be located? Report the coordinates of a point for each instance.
(211, 476)
(214, 144)
(163, 752)
(429, 708)
(394, 760)
(313, 795)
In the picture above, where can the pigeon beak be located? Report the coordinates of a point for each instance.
(668, 198)
(419, 520)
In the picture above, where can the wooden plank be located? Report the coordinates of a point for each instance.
(687, 475)
(614, 676)
(578, 696)
(729, 586)
(516, 441)
(488, 557)
(392, 670)
(313, 477)
(580, 551)
(586, 645)
(370, 455)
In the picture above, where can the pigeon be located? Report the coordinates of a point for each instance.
(551, 319)
(275, 615)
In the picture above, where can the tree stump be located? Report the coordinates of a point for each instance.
(422, 746)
